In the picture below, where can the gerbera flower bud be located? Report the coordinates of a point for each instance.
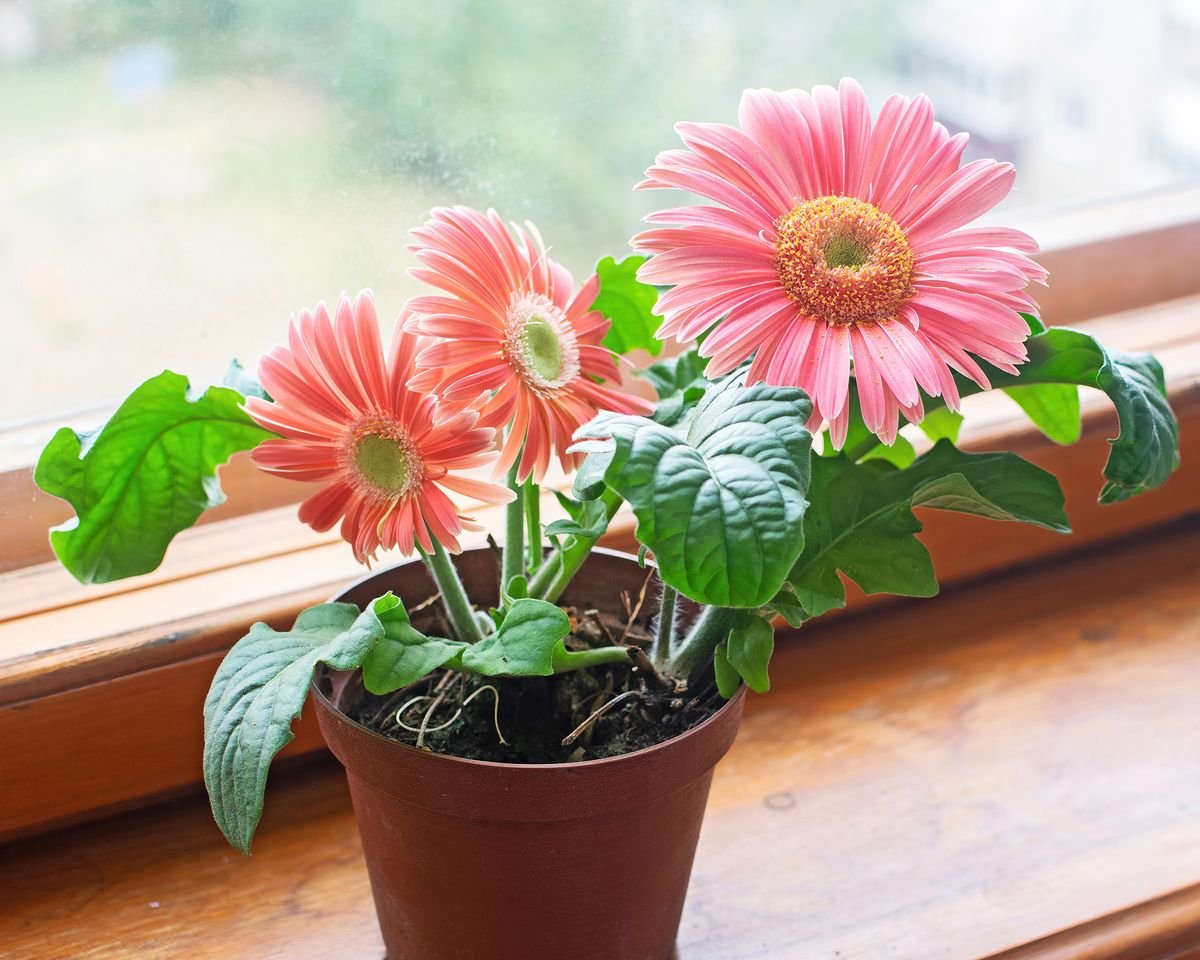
(348, 418)
(840, 240)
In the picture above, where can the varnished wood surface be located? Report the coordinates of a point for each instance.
(148, 646)
(929, 780)
(163, 667)
(1161, 928)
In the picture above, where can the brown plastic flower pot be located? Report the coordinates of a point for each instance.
(496, 861)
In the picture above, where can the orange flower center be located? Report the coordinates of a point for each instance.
(381, 459)
(540, 343)
(844, 261)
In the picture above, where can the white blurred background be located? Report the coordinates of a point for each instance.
(176, 177)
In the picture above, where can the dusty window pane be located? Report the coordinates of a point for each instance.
(176, 177)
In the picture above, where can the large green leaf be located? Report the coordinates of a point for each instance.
(1052, 407)
(720, 505)
(629, 305)
(261, 684)
(942, 424)
(404, 655)
(258, 691)
(1146, 448)
(861, 519)
(148, 473)
(900, 454)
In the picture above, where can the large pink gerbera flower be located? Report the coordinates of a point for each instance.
(348, 418)
(840, 239)
(513, 326)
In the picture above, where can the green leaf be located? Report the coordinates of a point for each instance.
(787, 606)
(527, 643)
(589, 480)
(243, 381)
(861, 521)
(720, 506)
(899, 454)
(942, 424)
(1146, 450)
(681, 372)
(1053, 408)
(629, 305)
(680, 384)
(728, 680)
(589, 519)
(258, 691)
(749, 648)
(516, 589)
(403, 655)
(146, 475)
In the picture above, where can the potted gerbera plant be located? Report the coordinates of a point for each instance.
(529, 728)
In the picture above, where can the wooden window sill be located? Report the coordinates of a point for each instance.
(1009, 772)
(84, 668)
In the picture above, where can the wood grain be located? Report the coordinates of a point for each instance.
(927, 781)
(149, 645)
(1119, 273)
(1168, 927)
(162, 669)
(156, 648)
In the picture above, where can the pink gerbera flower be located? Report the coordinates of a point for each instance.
(840, 239)
(348, 418)
(515, 328)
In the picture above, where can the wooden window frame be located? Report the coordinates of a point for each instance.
(108, 715)
(1103, 258)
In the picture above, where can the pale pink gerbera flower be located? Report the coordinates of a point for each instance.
(514, 327)
(348, 418)
(840, 239)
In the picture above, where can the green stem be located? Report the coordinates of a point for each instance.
(512, 562)
(533, 524)
(567, 660)
(553, 577)
(664, 637)
(696, 651)
(454, 597)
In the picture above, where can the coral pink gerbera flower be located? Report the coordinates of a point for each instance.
(514, 327)
(840, 239)
(348, 418)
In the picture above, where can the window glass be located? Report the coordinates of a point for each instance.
(175, 177)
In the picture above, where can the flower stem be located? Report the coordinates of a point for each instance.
(454, 597)
(696, 651)
(664, 636)
(512, 562)
(553, 577)
(567, 660)
(533, 524)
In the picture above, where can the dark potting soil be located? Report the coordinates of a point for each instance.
(535, 715)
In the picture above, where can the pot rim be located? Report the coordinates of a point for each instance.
(412, 561)
(534, 768)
